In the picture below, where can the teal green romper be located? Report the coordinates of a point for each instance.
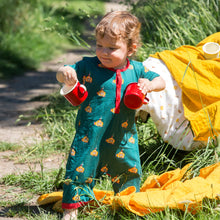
(106, 140)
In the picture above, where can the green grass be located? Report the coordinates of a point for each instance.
(157, 158)
(4, 146)
(168, 24)
(36, 182)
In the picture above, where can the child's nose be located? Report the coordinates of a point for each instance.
(105, 51)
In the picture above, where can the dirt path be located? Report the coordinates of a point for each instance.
(19, 97)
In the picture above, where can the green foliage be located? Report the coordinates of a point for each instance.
(168, 24)
(35, 31)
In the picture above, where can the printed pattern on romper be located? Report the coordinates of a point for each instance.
(86, 139)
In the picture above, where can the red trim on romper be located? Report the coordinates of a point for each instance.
(74, 205)
(118, 86)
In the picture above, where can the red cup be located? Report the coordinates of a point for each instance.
(74, 94)
(133, 97)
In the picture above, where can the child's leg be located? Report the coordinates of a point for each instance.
(70, 214)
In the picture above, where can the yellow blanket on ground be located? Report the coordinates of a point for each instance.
(158, 192)
(199, 80)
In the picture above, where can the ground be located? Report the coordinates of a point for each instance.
(19, 96)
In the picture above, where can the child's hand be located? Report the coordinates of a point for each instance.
(67, 75)
(147, 86)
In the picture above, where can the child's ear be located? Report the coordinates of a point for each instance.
(132, 49)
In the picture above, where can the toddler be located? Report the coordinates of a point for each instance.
(106, 140)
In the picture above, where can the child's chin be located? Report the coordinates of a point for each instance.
(107, 66)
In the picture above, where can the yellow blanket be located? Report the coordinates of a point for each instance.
(158, 192)
(199, 80)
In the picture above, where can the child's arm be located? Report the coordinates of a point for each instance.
(67, 75)
(147, 86)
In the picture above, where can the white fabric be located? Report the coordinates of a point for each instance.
(166, 109)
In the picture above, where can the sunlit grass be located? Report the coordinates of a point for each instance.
(172, 23)
(5, 146)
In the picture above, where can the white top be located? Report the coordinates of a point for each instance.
(166, 109)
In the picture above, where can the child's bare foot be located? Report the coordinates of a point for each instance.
(70, 214)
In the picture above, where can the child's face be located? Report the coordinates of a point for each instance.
(112, 53)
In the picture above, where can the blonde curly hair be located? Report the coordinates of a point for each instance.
(120, 25)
